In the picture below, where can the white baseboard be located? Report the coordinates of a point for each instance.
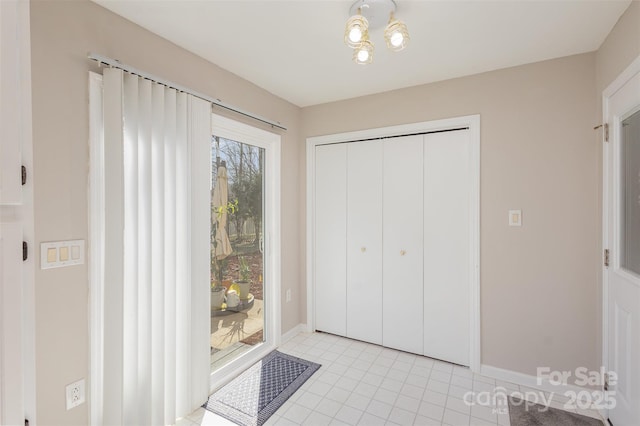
(529, 380)
(300, 328)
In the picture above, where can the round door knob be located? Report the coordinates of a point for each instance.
(403, 252)
(363, 249)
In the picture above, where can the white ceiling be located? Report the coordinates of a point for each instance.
(295, 50)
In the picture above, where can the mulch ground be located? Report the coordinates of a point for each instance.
(255, 338)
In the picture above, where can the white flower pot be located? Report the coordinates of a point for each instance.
(245, 286)
(217, 297)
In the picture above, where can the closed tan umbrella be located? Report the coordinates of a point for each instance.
(219, 202)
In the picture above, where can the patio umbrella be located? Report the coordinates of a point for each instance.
(219, 202)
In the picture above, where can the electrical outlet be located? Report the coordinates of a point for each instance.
(75, 394)
(289, 295)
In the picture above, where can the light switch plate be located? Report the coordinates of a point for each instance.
(57, 254)
(515, 217)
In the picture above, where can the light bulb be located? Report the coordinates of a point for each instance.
(397, 38)
(396, 34)
(356, 31)
(363, 54)
(355, 35)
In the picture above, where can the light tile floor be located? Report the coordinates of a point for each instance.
(364, 384)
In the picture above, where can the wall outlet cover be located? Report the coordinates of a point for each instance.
(75, 394)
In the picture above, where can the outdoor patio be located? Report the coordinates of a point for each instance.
(233, 333)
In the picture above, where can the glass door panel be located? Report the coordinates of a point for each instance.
(237, 249)
(630, 191)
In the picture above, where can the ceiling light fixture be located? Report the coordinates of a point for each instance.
(357, 30)
(396, 34)
(363, 54)
(372, 14)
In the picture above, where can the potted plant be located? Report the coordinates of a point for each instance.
(218, 265)
(217, 296)
(218, 290)
(217, 271)
(244, 278)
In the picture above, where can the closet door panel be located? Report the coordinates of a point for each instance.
(364, 241)
(447, 246)
(403, 322)
(330, 239)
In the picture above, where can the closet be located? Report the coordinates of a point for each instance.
(393, 242)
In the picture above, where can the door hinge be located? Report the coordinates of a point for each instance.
(606, 258)
(605, 130)
(25, 251)
(24, 175)
(606, 381)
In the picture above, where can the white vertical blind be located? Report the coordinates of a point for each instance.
(156, 284)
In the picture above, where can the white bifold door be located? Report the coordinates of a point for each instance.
(392, 242)
(349, 232)
(364, 241)
(330, 239)
(403, 285)
(447, 246)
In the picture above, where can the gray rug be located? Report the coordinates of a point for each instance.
(521, 414)
(251, 398)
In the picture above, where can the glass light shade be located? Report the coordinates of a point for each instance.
(356, 31)
(396, 35)
(363, 54)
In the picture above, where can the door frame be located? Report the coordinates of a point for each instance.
(607, 239)
(470, 121)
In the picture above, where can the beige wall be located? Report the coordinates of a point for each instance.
(539, 288)
(619, 49)
(63, 32)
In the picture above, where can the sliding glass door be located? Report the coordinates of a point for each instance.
(245, 246)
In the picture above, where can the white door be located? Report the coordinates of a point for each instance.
(403, 320)
(330, 238)
(364, 241)
(447, 246)
(17, 377)
(11, 385)
(622, 236)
